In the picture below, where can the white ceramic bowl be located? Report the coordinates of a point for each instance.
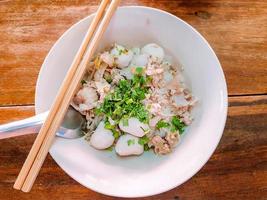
(148, 174)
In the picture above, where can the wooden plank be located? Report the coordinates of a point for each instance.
(237, 169)
(237, 30)
(8, 114)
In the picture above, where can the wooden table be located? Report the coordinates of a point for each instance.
(236, 29)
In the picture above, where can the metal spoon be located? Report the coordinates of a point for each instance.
(70, 127)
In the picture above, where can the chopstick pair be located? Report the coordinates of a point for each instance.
(41, 146)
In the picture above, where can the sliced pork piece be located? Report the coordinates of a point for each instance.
(85, 99)
(107, 58)
(172, 138)
(160, 145)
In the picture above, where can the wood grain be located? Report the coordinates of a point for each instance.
(237, 30)
(237, 169)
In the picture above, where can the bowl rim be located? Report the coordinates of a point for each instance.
(224, 98)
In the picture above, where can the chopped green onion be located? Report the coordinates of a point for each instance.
(129, 101)
(130, 142)
(109, 149)
(146, 147)
(116, 134)
(145, 130)
(125, 122)
(139, 70)
(83, 82)
(109, 126)
(162, 124)
(107, 77)
(143, 140)
(177, 124)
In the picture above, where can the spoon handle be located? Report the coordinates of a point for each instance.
(22, 127)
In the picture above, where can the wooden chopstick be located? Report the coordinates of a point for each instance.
(68, 96)
(41, 136)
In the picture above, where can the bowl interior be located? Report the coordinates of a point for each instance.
(148, 174)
